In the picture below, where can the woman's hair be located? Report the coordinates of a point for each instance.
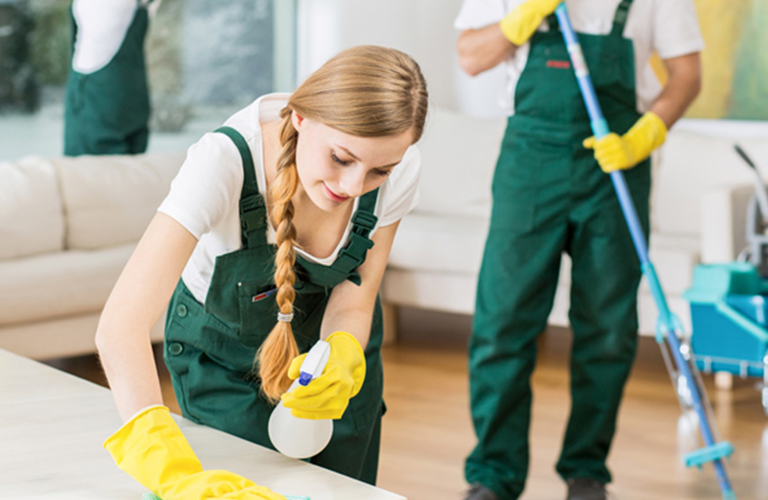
(366, 91)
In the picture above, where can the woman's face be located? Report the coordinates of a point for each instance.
(335, 168)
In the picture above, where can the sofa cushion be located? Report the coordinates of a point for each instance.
(674, 256)
(109, 200)
(31, 219)
(691, 164)
(58, 284)
(454, 245)
(434, 242)
(458, 158)
(698, 160)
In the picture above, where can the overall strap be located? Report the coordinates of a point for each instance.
(253, 211)
(620, 18)
(552, 22)
(363, 222)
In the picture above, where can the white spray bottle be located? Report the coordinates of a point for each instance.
(299, 437)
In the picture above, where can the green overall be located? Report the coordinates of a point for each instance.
(210, 349)
(107, 111)
(550, 197)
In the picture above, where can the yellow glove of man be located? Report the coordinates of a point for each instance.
(614, 152)
(151, 449)
(327, 396)
(519, 25)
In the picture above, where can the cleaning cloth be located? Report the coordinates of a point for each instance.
(151, 496)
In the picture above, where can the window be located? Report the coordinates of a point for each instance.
(205, 59)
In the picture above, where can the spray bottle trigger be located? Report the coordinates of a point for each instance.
(314, 364)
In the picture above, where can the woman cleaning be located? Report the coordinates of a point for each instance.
(279, 225)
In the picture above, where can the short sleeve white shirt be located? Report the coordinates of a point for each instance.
(101, 29)
(669, 27)
(205, 194)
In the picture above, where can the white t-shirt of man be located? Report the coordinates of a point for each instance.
(205, 194)
(669, 27)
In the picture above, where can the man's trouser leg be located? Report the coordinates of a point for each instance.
(603, 313)
(516, 289)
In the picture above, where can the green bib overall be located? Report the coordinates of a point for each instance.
(210, 349)
(107, 111)
(550, 197)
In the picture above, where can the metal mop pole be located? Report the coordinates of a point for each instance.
(668, 325)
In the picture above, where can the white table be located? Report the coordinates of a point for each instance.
(52, 425)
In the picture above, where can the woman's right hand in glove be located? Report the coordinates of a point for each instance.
(151, 449)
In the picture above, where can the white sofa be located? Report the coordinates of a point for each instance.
(67, 228)
(699, 194)
(68, 225)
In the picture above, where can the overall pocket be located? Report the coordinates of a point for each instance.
(203, 356)
(258, 311)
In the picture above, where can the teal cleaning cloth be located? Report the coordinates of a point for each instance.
(152, 496)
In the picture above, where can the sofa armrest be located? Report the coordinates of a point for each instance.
(723, 223)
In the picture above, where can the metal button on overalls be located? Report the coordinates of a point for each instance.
(181, 310)
(175, 348)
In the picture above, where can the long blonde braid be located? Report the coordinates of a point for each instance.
(279, 348)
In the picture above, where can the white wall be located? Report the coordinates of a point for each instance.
(421, 28)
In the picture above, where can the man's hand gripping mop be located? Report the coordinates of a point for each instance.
(684, 374)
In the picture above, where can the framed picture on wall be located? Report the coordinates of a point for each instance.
(734, 61)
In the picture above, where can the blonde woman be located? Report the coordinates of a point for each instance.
(279, 225)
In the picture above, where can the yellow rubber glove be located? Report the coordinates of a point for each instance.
(519, 25)
(151, 449)
(614, 152)
(327, 396)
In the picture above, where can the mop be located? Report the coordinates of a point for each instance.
(685, 376)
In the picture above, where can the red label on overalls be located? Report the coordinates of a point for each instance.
(559, 64)
(263, 295)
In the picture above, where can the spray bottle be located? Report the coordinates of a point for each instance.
(299, 437)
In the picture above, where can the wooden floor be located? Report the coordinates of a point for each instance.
(427, 431)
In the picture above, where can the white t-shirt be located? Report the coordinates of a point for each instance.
(669, 27)
(101, 28)
(205, 194)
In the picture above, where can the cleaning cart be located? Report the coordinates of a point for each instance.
(729, 312)
(729, 302)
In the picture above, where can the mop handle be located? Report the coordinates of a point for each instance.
(667, 322)
(600, 129)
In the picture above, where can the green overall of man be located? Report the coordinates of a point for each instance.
(107, 106)
(552, 194)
